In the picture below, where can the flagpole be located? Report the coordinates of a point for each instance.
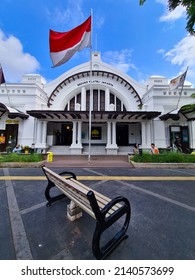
(90, 92)
(181, 89)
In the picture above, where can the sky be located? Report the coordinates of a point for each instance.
(139, 40)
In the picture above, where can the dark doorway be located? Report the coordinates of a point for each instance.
(66, 138)
(122, 134)
(182, 133)
(2, 140)
(11, 136)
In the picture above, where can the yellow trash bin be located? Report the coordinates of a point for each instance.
(49, 157)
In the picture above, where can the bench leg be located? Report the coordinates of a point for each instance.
(103, 223)
(101, 252)
(50, 198)
(73, 211)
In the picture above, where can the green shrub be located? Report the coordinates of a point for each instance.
(166, 157)
(13, 157)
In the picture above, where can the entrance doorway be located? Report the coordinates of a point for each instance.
(122, 134)
(182, 133)
(11, 137)
(66, 132)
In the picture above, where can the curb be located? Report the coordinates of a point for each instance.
(163, 165)
(21, 164)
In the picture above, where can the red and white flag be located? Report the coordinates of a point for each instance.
(2, 78)
(63, 45)
(178, 81)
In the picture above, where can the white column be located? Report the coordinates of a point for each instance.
(83, 99)
(44, 133)
(148, 133)
(39, 131)
(144, 135)
(79, 133)
(114, 133)
(76, 147)
(111, 147)
(108, 134)
(74, 134)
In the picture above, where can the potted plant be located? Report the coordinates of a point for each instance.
(26, 149)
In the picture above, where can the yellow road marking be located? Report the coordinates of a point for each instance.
(104, 178)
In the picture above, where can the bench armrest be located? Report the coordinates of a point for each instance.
(113, 202)
(100, 214)
(72, 175)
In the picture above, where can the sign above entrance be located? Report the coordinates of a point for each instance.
(12, 121)
(94, 82)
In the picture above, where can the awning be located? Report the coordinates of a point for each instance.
(187, 111)
(12, 112)
(174, 115)
(95, 115)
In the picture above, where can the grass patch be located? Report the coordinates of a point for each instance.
(13, 157)
(167, 157)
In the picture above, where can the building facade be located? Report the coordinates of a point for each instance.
(101, 108)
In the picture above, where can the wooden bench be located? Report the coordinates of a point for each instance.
(104, 210)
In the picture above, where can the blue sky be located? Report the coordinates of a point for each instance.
(140, 41)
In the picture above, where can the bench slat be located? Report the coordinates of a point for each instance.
(99, 197)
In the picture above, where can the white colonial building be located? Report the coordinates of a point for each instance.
(55, 116)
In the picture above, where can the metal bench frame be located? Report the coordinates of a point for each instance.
(104, 210)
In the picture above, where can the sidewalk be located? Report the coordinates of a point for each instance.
(74, 161)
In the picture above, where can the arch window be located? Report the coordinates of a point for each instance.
(98, 101)
(102, 100)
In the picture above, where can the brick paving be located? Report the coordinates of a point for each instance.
(95, 161)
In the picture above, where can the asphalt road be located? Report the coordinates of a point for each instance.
(162, 225)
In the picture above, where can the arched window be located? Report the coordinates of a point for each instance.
(98, 100)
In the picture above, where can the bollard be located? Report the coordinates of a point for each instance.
(49, 157)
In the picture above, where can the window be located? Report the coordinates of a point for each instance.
(102, 100)
(95, 100)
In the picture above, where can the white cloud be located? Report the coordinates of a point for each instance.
(174, 15)
(14, 60)
(161, 51)
(183, 54)
(98, 21)
(71, 15)
(119, 59)
(177, 13)
(67, 18)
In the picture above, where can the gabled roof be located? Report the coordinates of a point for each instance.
(12, 112)
(188, 111)
(174, 115)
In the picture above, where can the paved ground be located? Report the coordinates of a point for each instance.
(162, 223)
(94, 161)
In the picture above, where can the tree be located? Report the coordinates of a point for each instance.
(190, 10)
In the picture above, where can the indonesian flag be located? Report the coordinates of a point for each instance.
(2, 78)
(63, 45)
(178, 81)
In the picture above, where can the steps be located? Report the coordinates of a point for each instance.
(95, 150)
(98, 158)
(60, 150)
